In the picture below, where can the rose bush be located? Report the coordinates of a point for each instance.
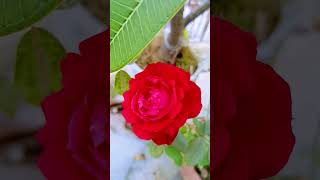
(159, 101)
(252, 135)
(74, 136)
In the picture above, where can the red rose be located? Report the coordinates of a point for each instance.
(74, 136)
(252, 136)
(159, 101)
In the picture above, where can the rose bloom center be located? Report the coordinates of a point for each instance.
(153, 101)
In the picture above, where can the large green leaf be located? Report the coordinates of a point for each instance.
(197, 150)
(16, 15)
(37, 69)
(133, 24)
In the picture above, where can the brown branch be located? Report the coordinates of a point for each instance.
(172, 44)
(177, 26)
(198, 12)
(16, 136)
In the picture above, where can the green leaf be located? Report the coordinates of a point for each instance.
(206, 159)
(180, 142)
(37, 69)
(184, 129)
(174, 154)
(188, 133)
(133, 24)
(113, 92)
(200, 126)
(154, 150)
(121, 83)
(16, 15)
(8, 98)
(196, 151)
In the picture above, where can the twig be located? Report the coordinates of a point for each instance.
(17, 136)
(198, 12)
(172, 42)
(176, 29)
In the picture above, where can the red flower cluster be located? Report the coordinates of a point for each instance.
(159, 101)
(252, 136)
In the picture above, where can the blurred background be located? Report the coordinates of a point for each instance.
(72, 22)
(288, 33)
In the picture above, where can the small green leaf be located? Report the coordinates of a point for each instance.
(16, 15)
(8, 98)
(174, 154)
(184, 129)
(196, 151)
(206, 159)
(113, 92)
(121, 83)
(154, 150)
(189, 135)
(180, 142)
(37, 68)
(199, 125)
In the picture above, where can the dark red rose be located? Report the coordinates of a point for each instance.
(159, 101)
(74, 136)
(252, 135)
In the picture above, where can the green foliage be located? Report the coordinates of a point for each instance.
(200, 126)
(207, 128)
(121, 83)
(37, 71)
(180, 143)
(113, 92)
(133, 24)
(191, 146)
(205, 161)
(186, 60)
(154, 150)
(196, 151)
(174, 154)
(16, 15)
